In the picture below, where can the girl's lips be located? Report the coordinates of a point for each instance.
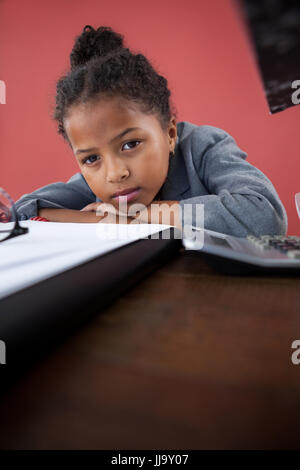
(129, 196)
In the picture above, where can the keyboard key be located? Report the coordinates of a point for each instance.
(288, 245)
(293, 254)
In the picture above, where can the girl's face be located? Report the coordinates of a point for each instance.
(111, 163)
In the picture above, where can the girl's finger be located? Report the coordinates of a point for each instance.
(90, 207)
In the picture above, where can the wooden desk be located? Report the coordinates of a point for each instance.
(187, 359)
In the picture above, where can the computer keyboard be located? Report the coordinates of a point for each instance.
(230, 254)
(289, 245)
(251, 254)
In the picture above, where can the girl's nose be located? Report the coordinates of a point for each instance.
(116, 172)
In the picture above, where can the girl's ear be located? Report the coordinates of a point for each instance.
(172, 132)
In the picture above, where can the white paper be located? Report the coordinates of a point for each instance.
(52, 247)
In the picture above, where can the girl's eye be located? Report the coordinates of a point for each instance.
(132, 142)
(91, 157)
(88, 158)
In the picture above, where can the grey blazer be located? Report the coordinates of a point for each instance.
(208, 168)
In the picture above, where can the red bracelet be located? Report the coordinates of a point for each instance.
(42, 219)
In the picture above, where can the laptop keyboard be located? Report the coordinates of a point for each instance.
(289, 245)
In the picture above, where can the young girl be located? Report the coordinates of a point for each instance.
(113, 110)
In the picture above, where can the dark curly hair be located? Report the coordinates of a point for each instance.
(102, 67)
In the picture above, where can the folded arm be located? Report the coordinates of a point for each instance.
(73, 195)
(243, 200)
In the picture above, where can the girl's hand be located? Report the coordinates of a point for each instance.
(109, 214)
(91, 207)
(102, 208)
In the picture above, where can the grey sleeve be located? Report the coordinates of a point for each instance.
(241, 199)
(75, 194)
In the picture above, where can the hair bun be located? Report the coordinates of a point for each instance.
(94, 43)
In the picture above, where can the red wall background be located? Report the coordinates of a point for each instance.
(200, 46)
